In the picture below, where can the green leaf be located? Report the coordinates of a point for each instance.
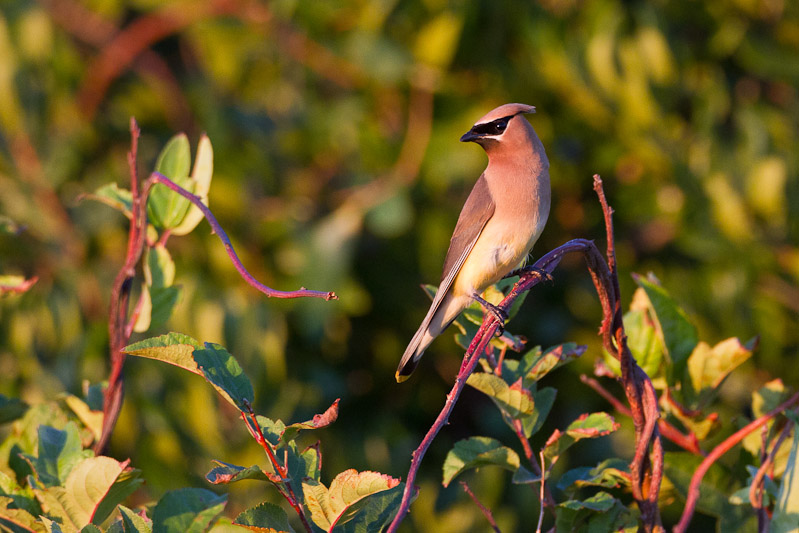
(587, 426)
(600, 512)
(552, 358)
(643, 341)
(678, 335)
(220, 368)
(376, 512)
(223, 371)
(786, 510)
(15, 519)
(201, 177)
(188, 510)
(163, 301)
(318, 421)
(159, 268)
(544, 399)
(611, 473)
(111, 195)
(475, 452)
(265, 518)
(165, 207)
(228, 473)
(131, 522)
(708, 367)
(11, 409)
(514, 400)
(347, 495)
(58, 453)
(272, 429)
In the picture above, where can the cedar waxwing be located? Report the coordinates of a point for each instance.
(498, 226)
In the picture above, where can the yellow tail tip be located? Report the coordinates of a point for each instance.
(400, 378)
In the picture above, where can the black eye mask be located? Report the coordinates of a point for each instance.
(495, 127)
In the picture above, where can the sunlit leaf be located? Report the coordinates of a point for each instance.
(201, 177)
(587, 426)
(10, 284)
(226, 473)
(131, 522)
(678, 335)
(475, 452)
(513, 399)
(786, 510)
(347, 495)
(112, 195)
(165, 207)
(708, 367)
(611, 473)
(318, 421)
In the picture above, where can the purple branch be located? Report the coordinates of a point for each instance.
(155, 177)
(485, 510)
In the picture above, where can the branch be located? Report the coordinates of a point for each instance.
(155, 177)
(485, 510)
(718, 451)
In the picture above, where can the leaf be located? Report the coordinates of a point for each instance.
(223, 371)
(163, 301)
(600, 512)
(159, 268)
(587, 426)
(58, 453)
(553, 358)
(87, 496)
(514, 400)
(786, 510)
(346, 496)
(188, 510)
(93, 420)
(376, 513)
(201, 177)
(132, 522)
(642, 339)
(111, 195)
(228, 473)
(15, 519)
(265, 518)
(544, 399)
(708, 367)
(166, 208)
(15, 284)
(11, 409)
(678, 335)
(611, 473)
(318, 421)
(475, 452)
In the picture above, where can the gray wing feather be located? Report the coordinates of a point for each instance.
(476, 212)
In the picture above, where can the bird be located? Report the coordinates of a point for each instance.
(500, 222)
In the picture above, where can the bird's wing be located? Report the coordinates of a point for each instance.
(476, 212)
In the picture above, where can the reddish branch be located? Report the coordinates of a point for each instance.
(120, 324)
(718, 451)
(483, 509)
(688, 442)
(281, 477)
(647, 471)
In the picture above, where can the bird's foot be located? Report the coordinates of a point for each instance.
(495, 311)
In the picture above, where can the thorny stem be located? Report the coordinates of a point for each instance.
(718, 451)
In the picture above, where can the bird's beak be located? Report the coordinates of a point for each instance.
(470, 136)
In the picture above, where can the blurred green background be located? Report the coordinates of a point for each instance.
(335, 129)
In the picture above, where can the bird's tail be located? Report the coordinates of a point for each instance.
(414, 352)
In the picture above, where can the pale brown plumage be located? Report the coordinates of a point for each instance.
(499, 224)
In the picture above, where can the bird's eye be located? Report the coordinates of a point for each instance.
(495, 127)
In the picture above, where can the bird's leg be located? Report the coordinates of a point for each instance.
(495, 311)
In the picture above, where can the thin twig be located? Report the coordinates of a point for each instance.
(485, 510)
(716, 453)
(155, 177)
(541, 495)
(756, 489)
